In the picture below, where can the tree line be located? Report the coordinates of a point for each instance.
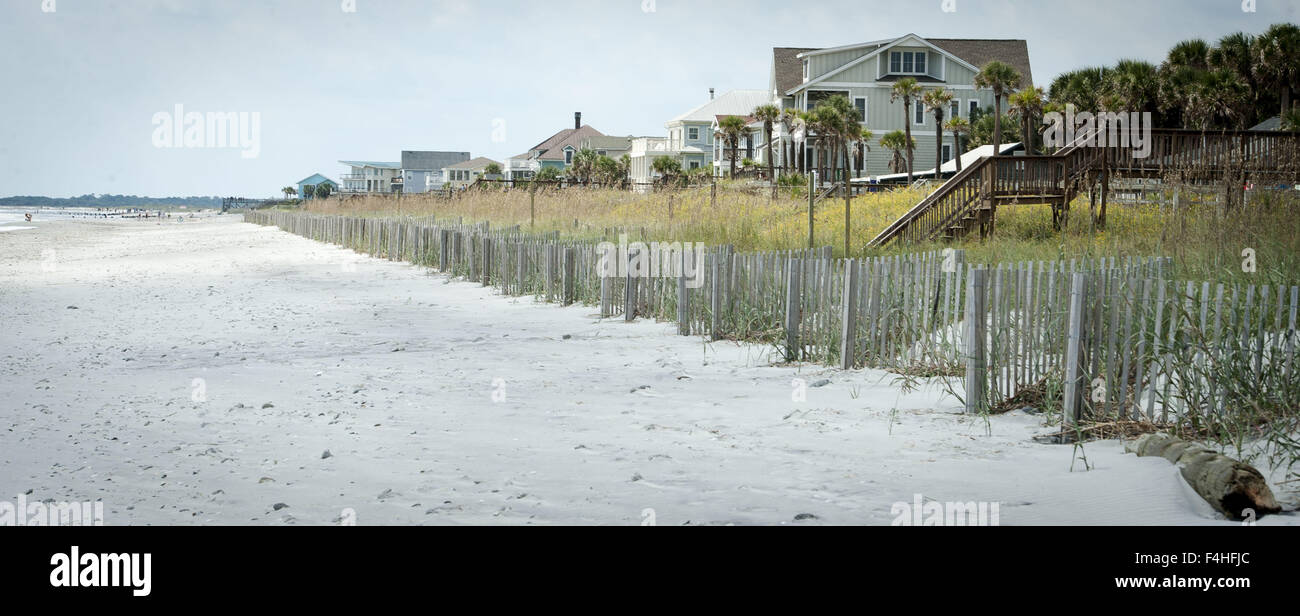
(108, 201)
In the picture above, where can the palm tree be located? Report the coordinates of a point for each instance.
(937, 101)
(768, 114)
(789, 119)
(1291, 119)
(731, 129)
(1277, 61)
(1218, 94)
(1233, 54)
(1028, 104)
(896, 142)
(839, 119)
(958, 126)
(1133, 84)
(906, 90)
(1002, 79)
(1185, 65)
(817, 122)
(861, 145)
(1079, 88)
(624, 168)
(289, 192)
(668, 168)
(583, 166)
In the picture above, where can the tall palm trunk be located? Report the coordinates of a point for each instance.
(771, 152)
(938, 147)
(907, 126)
(956, 152)
(997, 122)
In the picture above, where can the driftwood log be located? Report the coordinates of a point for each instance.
(1230, 486)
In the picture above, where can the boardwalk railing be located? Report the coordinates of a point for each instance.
(969, 199)
(1102, 325)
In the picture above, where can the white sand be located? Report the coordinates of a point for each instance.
(391, 369)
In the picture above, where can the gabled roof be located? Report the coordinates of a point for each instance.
(316, 178)
(788, 65)
(418, 160)
(555, 151)
(370, 163)
(735, 102)
(477, 163)
(979, 52)
(559, 140)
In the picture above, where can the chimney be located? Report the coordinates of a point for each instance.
(577, 120)
(710, 93)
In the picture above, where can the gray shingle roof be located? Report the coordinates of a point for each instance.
(789, 68)
(980, 51)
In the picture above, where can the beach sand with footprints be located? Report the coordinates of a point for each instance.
(216, 372)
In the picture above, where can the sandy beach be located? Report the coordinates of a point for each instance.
(217, 372)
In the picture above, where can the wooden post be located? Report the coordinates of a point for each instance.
(550, 272)
(683, 296)
(520, 270)
(570, 270)
(849, 329)
(629, 290)
(715, 330)
(792, 310)
(1074, 346)
(976, 340)
(847, 223)
(532, 208)
(606, 293)
(810, 212)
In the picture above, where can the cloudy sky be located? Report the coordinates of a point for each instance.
(85, 80)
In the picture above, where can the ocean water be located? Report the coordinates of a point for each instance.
(10, 215)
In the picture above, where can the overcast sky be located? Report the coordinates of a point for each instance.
(84, 82)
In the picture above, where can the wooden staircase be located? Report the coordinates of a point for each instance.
(968, 202)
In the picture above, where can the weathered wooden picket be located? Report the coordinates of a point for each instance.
(1115, 333)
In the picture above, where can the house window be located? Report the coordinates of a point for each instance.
(971, 107)
(954, 111)
(947, 151)
(861, 104)
(805, 70)
(695, 164)
(568, 156)
(693, 133)
(918, 113)
(600, 152)
(907, 62)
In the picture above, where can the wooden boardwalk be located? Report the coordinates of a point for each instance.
(968, 202)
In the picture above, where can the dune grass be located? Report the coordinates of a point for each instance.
(1206, 242)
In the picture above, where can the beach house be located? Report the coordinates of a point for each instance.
(556, 151)
(801, 78)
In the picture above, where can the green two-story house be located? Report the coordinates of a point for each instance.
(865, 73)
